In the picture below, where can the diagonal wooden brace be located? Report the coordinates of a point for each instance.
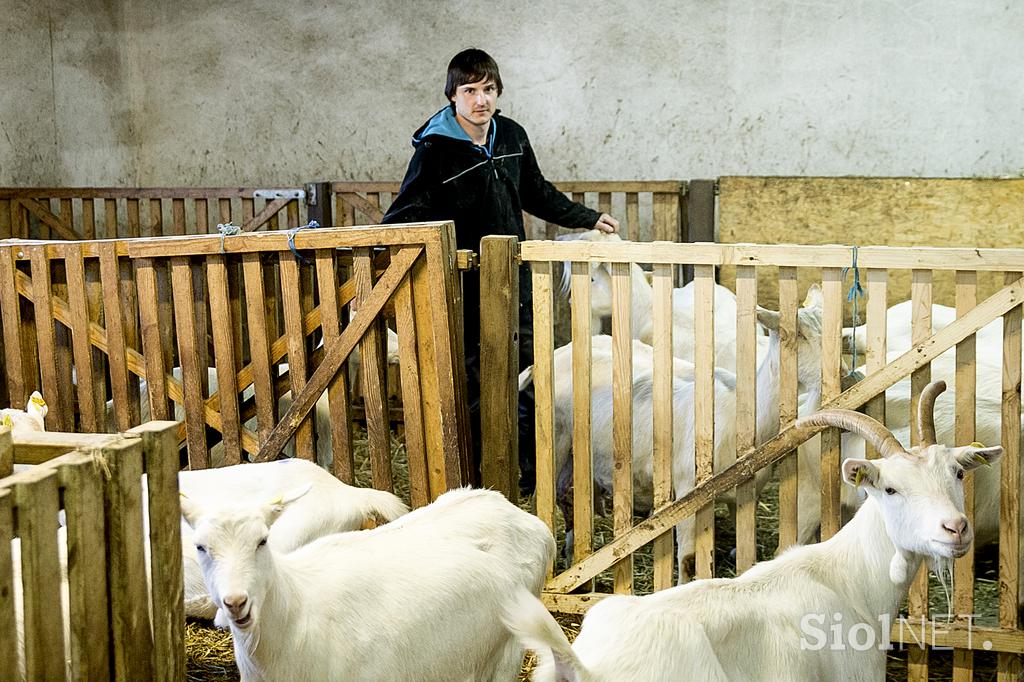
(370, 308)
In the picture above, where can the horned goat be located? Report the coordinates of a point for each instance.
(769, 623)
(416, 599)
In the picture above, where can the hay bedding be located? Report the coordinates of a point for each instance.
(210, 656)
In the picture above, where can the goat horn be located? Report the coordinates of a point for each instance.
(873, 431)
(925, 412)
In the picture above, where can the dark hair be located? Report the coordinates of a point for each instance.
(471, 66)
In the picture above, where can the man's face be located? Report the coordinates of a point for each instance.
(475, 102)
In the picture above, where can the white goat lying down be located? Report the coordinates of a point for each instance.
(330, 506)
(416, 599)
(770, 623)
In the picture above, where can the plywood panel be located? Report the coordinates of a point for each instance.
(982, 212)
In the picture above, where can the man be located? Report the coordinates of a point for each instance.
(477, 168)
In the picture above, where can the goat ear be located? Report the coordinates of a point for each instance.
(190, 510)
(972, 456)
(277, 504)
(769, 318)
(858, 472)
(814, 297)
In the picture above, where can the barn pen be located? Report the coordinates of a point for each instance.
(571, 589)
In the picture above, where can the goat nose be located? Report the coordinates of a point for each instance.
(236, 602)
(955, 527)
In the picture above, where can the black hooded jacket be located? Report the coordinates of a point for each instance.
(482, 188)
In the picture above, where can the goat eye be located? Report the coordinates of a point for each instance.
(960, 474)
(262, 543)
(201, 549)
(890, 491)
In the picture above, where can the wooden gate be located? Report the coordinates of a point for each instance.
(164, 310)
(783, 264)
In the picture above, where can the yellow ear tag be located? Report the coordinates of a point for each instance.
(38, 401)
(857, 476)
(980, 459)
(976, 444)
(183, 495)
(7, 421)
(277, 499)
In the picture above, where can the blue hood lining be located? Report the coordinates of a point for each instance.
(444, 123)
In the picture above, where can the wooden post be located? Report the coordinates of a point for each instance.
(318, 203)
(499, 353)
(698, 220)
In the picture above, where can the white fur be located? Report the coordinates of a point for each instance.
(31, 419)
(331, 506)
(749, 627)
(416, 599)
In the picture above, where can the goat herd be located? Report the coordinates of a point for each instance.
(275, 551)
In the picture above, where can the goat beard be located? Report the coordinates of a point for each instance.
(942, 567)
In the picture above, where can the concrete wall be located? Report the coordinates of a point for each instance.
(139, 92)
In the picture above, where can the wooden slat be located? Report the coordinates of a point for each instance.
(74, 266)
(339, 401)
(966, 384)
(259, 345)
(1009, 667)
(875, 353)
(582, 452)
(454, 446)
(159, 447)
(788, 468)
(412, 398)
(82, 484)
(544, 395)
(373, 379)
(831, 361)
(224, 355)
(429, 379)
(746, 412)
(35, 494)
(156, 217)
(192, 387)
(153, 347)
(622, 418)
(110, 219)
(10, 313)
(8, 637)
(663, 550)
(632, 224)
(884, 257)
(921, 328)
(46, 338)
(499, 354)
(126, 575)
(704, 413)
(298, 365)
(178, 216)
(116, 348)
(666, 217)
(130, 319)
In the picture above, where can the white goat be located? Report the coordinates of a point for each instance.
(642, 302)
(769, 623)
(416, 599)
(27, 420)
(330, 506)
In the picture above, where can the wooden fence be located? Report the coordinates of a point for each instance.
(124, 610)
(783, 264)
(648, 210)
(189, 326)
